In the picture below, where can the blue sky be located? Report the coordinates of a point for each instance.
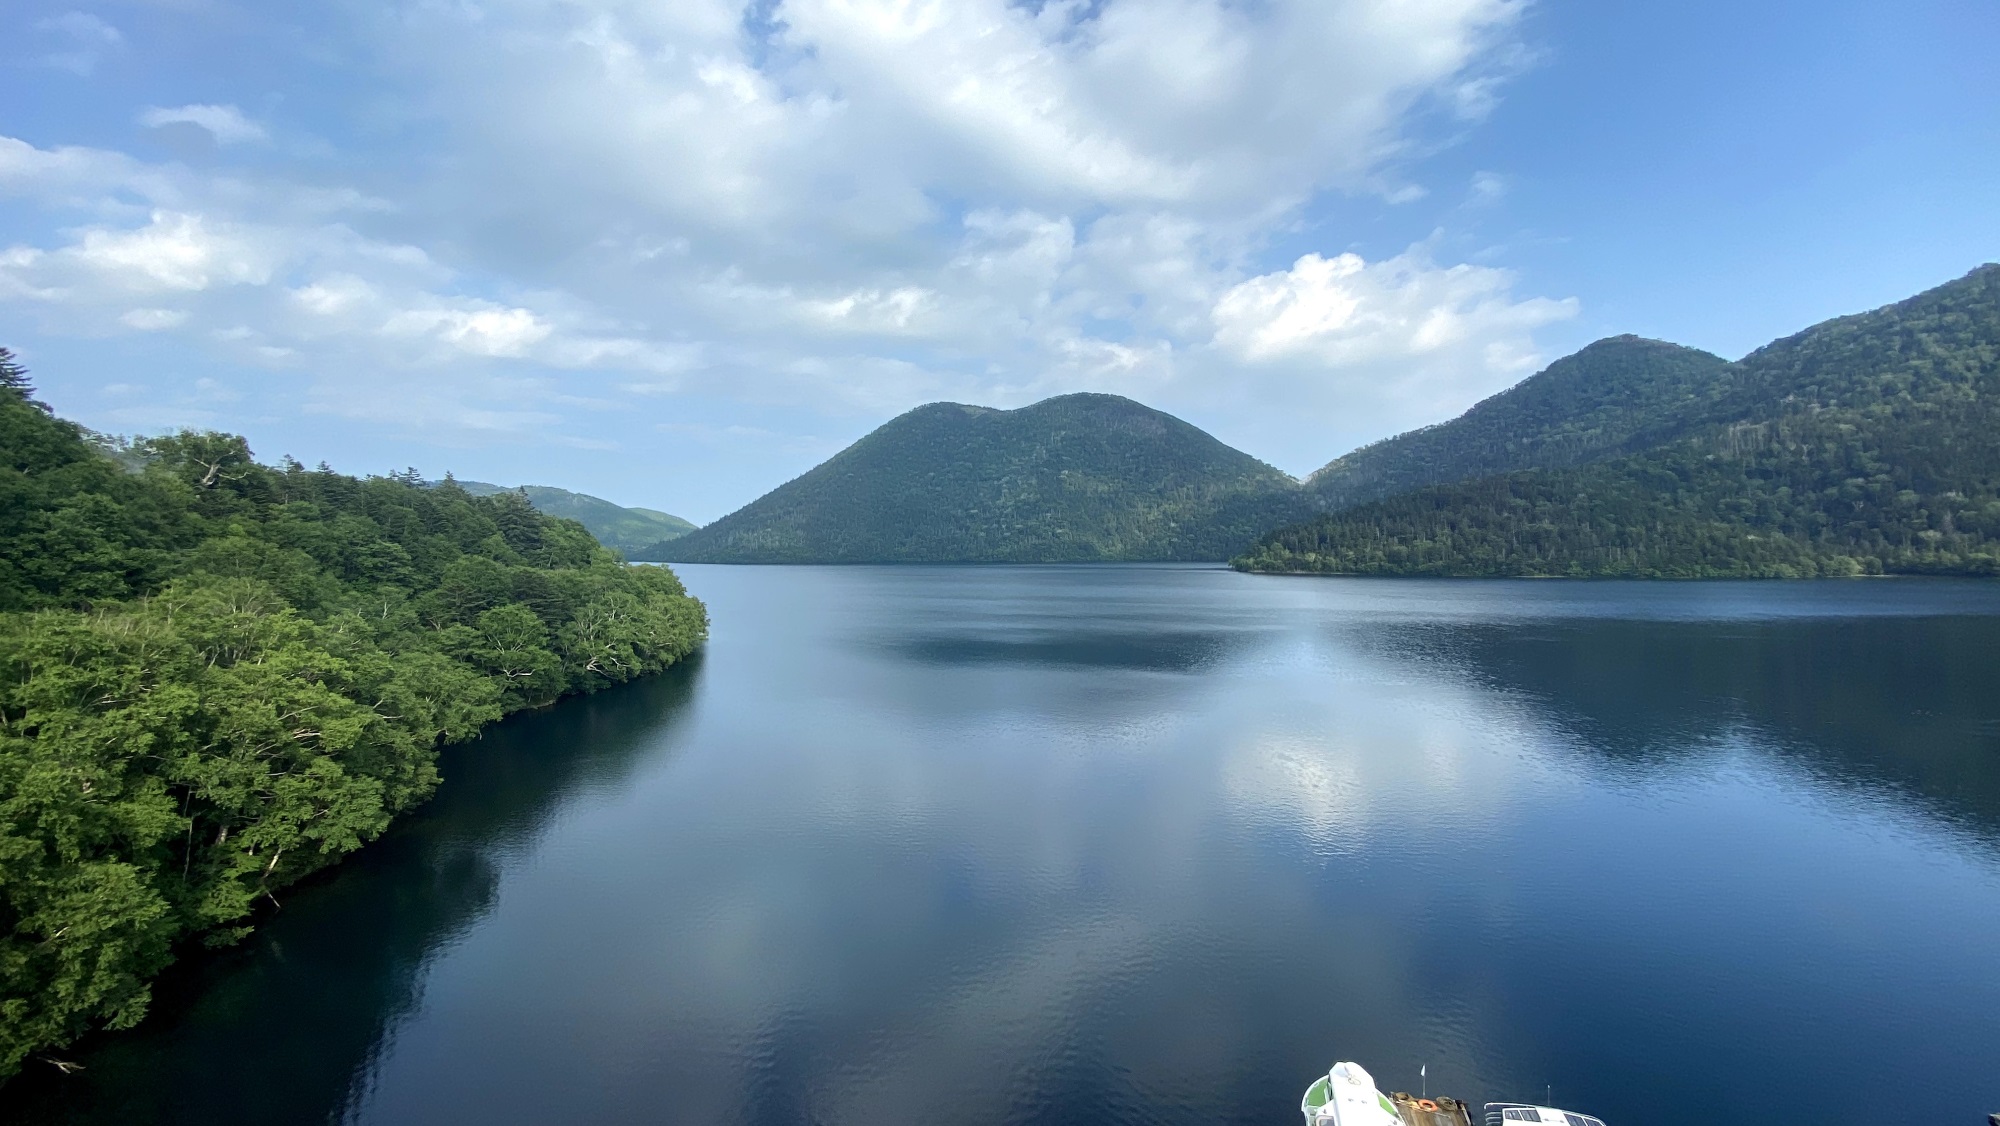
(675, 254)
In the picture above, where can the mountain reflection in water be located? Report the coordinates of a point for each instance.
(1163, 651)
(1911, 703)
(1156, 845)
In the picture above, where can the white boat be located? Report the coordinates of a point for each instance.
(1346, 1096)
(1500, 1114)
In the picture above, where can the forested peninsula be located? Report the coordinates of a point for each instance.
(217, 677)
(628, 531)
(1868, 444)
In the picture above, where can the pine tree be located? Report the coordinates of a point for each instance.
(14, 377)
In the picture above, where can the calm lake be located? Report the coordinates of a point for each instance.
(1158, 845)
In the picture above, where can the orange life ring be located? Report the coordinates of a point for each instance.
(1426, 1106)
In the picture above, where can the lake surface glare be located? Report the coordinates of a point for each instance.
(1156, 844)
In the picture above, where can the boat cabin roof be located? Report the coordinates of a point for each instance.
(1346, 1096)
(1500, 1114)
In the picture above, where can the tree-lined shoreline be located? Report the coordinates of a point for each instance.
(217, 677)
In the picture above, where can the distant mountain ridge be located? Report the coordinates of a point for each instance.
(1612, 396)
(1083, 477)
(1867, 444)
(626, 530)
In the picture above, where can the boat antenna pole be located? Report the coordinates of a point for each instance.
(1423, 1073)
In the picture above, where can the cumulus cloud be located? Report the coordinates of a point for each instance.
(1394, 344)
(866, 114)
(80, 178)
(1342, 311)
(873, 310)
(172, 252)
(834, 206)
(480, 331)
(284, 260)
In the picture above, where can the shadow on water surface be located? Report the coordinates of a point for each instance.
(288, 1027)
(1907, 703)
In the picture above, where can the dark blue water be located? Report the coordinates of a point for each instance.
(1157, 845)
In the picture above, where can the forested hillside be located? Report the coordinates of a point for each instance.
(1074, 478)
(629, 531)
(1613, 397)
(1866, 445)
(218, 676)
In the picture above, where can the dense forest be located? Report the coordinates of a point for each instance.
(218, 676)
(1077, 478)
(1866, 445)
(1618, 395)
(628, 531)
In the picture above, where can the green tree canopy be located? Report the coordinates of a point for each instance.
(1866, 445)
(218, 676)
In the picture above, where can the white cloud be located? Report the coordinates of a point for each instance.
(234, 275)
(866, 113)
(479, 331)
(1487, 187)
(173, 252)
(225, 123)
(88, 38)
(95, 182)
(334, 295)
(153, 320)
(873, 310)
(1343, 310)
(865, 204)
(1367, 349)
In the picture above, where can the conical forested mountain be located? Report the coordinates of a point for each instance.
(1074, 478)
(1866, 444)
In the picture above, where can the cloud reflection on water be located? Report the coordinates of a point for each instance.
(1109, 845)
